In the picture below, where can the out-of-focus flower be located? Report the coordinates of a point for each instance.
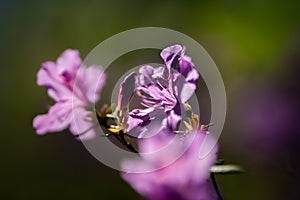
(185, 178)
(164, 92)
(269, 121)
(70, 99)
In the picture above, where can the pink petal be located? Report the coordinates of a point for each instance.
(57, 119)
(90, 82)
(185, 178)
(83, 124)
(49, 77)
(68, 63)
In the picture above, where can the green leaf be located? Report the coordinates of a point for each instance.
(226, 169)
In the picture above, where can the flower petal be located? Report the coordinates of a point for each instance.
(173, 120)
(83, 124)
(49, 77)
(171, 55)
(58, 118)
(187, 69)
(184, 90)
(127, 89)
(89, 83)
(185, 178)
(68, 63)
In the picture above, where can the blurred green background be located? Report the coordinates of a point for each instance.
(254, 44)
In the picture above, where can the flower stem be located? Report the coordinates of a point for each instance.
(214, 182)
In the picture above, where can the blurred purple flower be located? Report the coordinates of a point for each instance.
(164, 91)
(184, 178)
(269, 121)
(71, 99)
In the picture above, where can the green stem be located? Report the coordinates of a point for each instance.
(214, 182)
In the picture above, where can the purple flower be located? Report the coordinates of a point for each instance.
(169, 166)
(164, 92)
(71, 99)
(269, 123)
(185, 178)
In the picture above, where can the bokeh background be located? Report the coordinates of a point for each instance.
(255, 44)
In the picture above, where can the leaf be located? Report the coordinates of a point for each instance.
(226, 169)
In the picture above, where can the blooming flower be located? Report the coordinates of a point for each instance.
(71, 98)
(163, 91)
(185, 178)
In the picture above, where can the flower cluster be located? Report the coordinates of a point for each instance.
(164, 94)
